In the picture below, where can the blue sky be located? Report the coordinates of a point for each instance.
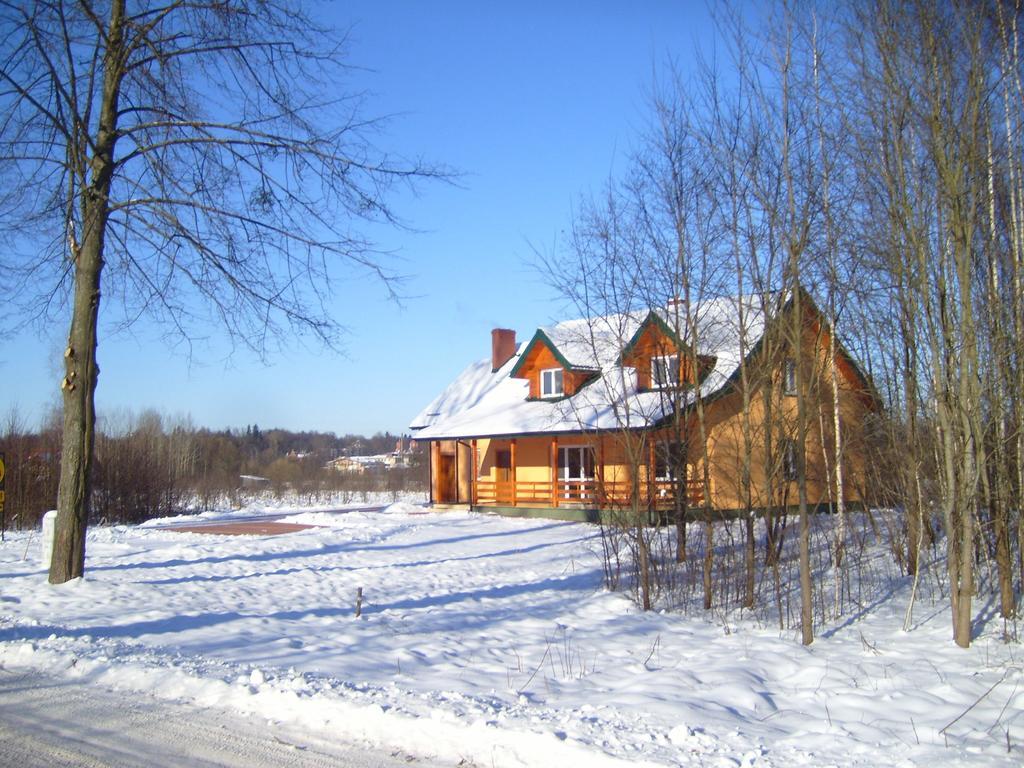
(536, 104)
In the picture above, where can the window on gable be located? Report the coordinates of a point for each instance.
(665, 371)
(551, 382)
(789, 376)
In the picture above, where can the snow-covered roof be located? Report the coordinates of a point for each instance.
(485, 403)
(593, 344)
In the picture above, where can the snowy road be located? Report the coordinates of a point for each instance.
(49, 722)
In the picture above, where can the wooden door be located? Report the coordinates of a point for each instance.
(503, 474)
(447, 493)
(576, 472)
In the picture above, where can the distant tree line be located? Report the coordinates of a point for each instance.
(151, 465)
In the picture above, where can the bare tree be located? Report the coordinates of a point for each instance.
(600, 275)
(875, 161)
(1005, 296)
(191, 160)
(939, 85)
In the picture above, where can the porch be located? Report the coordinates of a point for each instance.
(659, 495)
(579, 472)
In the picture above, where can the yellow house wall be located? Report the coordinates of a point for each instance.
(725, 427)
(533, 460)
(465, 472)
(533, 456)
(484, 470)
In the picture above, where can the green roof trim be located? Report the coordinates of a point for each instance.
(542, 338)
(652, 318)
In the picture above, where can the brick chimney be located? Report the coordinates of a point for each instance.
(503, 347)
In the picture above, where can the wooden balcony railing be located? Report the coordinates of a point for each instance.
(659, 494)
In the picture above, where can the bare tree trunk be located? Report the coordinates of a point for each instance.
(795, 234)
(640, 530)
(749, 583)
(997, 482)
(806, 584)
(79, 386)
(1012, 100)
(840, 488)
(746, 482)
(81, 369)
(709, 526)
(911, 461)
(914, 546)
(681, 505)
(709, 561)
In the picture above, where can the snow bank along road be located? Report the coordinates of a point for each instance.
(47, 722)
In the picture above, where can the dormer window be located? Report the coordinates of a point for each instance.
(551, 382)
(665, 371)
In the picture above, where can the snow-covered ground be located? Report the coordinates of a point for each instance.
(491, 641)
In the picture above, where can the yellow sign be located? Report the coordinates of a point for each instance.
(2, 471)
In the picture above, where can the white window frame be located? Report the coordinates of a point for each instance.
(789, 376)
(667, 365)
(566, 481)
(548, 378)
(585, 454)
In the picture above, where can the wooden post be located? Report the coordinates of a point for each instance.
(602, 494)
(554, 471)
(627, 477)
(652, 462)
(435, 467)
(512, 471)
(473, 494)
